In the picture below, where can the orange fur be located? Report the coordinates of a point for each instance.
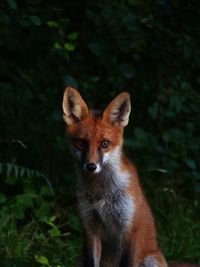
(143, 224)
(139, 236)
(94, 131)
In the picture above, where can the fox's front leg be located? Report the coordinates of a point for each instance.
(111, 253)
(92, 251)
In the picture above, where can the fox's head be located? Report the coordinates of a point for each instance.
(96, 137)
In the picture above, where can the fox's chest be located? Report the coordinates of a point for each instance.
(107, 213)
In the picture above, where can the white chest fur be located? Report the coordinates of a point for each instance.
(104, 206)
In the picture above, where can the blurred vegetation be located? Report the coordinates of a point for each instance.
(148, 48)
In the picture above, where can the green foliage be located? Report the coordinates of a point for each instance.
(148, 48)
(26, 195)
(43, 260)
(34, 245)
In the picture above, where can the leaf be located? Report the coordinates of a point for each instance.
(35, 20)
(69, 80)
(130, 22)
(73, 222)
(12, 4)
(42, 259)
(43, 210)
(25, 23)
(2, 198)
(50, 221)
(141, 135)
(22, 171)
(153, 110)
(196, 175)
(190, 163)
(9, 169)
(73, 36)
(176, 102)
(54, 232)
(166, 137)
(52, 24)
(96, 48)
(11, 178)
(16, 170)
(25, 200)
(197, 188)
(127, 70)
(4, 18)
(69, 47)
(28, 173)
(46, 191)
(57, 46)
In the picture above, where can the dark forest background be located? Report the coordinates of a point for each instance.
(150, 49)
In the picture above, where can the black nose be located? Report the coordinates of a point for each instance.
(91, 167)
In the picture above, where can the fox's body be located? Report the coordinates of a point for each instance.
(119, 230)
(116, 217)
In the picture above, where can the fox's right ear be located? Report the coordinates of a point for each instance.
(74, 107)
(118, 111)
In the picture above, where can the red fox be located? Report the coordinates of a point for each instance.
(118, 225)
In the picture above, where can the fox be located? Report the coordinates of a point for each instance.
(118, 225)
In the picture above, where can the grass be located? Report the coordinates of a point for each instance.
(179, 229)
(56, 240)
(35, 244)
(178, 222)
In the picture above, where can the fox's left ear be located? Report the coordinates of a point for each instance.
(117, 112)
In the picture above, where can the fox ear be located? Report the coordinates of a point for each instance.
(74, 107)
(117, 112)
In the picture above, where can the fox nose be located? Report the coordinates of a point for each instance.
(91, 167)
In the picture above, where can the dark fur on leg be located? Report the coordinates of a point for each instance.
(79, 263)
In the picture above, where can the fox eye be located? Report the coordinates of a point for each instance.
(80, 143)
(105, 144)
